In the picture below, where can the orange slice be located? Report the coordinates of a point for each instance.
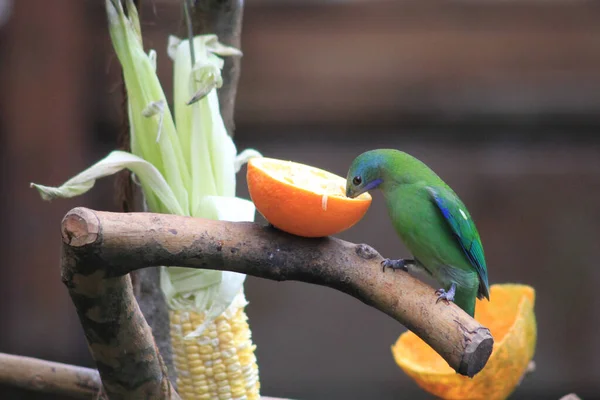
(511, 319)
(301, 199)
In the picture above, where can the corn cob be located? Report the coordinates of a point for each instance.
(218, 364)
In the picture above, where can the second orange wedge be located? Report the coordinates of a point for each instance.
(511, 319)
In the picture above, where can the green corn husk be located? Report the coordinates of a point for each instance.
(186, 164)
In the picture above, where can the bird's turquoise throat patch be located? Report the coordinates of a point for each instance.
(373, 184)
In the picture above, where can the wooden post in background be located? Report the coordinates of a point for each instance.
(223, 18)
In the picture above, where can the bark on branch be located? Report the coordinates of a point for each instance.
(101, 248)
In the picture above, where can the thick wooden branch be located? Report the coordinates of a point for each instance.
(100, 248)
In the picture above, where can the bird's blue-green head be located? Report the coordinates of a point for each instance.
(366, 172)
(385, 169)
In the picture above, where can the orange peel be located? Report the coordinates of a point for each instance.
(303, 200)
(511, 319)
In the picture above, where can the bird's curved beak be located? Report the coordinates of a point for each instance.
(351, 193)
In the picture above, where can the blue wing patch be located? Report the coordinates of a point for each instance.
(463, 228)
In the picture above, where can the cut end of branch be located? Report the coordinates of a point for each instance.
(477, 353)
(80, 227)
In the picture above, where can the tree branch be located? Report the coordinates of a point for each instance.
(51, 377)
(118, 336)
(100, 248)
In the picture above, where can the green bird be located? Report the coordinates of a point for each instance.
(431, 220)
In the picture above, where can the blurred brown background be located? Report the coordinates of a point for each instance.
(501, 98)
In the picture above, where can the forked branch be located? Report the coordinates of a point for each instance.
(101, 248)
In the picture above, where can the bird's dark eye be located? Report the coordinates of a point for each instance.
(357, 180)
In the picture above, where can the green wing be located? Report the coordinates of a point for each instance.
(465, 232)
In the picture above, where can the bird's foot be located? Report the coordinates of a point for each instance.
(446, 296)
(396, 264)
